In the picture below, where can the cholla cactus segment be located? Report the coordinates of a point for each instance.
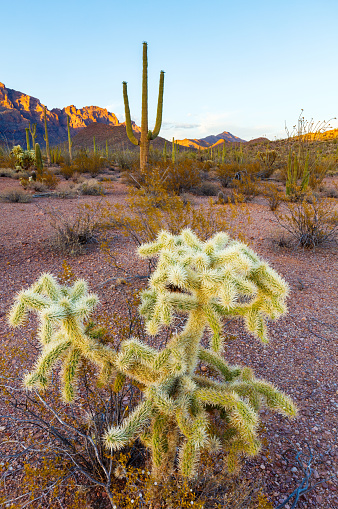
(220, 276)
(62, 331)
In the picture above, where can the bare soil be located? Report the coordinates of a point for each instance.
(301, 358)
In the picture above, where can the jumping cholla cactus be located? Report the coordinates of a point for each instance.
(205, 281)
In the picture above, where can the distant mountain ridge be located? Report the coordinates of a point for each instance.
(210, 141)
(18, 109)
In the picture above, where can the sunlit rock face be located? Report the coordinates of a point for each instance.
(17, 110)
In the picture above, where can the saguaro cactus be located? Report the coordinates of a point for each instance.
(27, 138)
(146, 135)
(38, 160)
(206, 281)
(46, 135)
(32, 130)
(70, 143)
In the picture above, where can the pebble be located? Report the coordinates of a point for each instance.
(294, 469)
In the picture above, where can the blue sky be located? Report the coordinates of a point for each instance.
(241, 66)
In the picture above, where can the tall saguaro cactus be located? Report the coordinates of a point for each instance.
(146, 135)
(32, 130)
(46, 136)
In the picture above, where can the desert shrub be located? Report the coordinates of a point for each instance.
(273, 194)
(7, 160)
(67, 171)
(226, 173)
(73, 232)
(310, 222)
(7, 172)
(205, 189)
(126, 159)
(91, 187)
(173, 178)
(145, 215)
(246, 185)
(267, 159)
(49, 179)
(91, 163)
(15, 196)
(35, 185)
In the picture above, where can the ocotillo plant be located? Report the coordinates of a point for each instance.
(206, 281)
(70, 143)
(146, 135)
(32, 130)
(27, 138)
(38, 160)
(46, 135)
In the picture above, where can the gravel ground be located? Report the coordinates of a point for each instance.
(300, 359)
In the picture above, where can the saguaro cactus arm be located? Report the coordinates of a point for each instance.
(129, 128)
(153, 134)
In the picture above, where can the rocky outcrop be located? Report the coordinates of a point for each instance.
(17, 110)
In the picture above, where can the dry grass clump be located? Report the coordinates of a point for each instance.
(273, 194)
(310, 222)
(90, 187)
(73, 233)
(15, 196)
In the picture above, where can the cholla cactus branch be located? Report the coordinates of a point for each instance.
(205, 281)
(62, 331)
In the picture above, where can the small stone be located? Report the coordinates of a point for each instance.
(294, 469)
(262, 466)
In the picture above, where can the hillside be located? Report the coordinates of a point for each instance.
(116, 136)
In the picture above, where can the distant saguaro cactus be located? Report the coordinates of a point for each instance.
(70, 143)
(27, 138)
(38, 160)
(146, 135)
(32, 130)
(46, 135)
(212, 280)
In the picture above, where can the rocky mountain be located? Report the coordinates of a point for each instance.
(17, 110)
(210, 141)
